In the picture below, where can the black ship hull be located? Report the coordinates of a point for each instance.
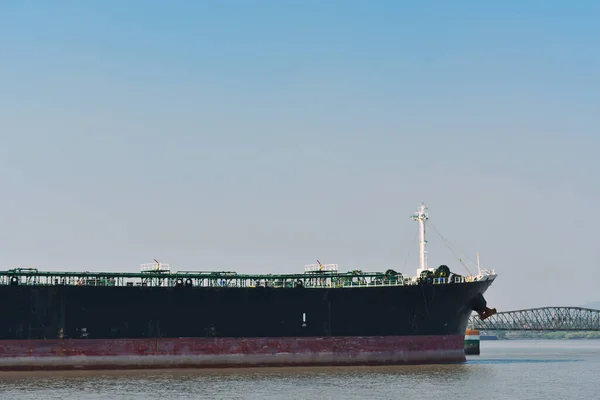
(60, 326)
(52, 312)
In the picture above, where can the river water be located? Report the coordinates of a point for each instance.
(527, 369)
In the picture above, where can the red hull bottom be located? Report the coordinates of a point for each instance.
(228, 352)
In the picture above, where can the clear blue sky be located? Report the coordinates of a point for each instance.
(260, 136)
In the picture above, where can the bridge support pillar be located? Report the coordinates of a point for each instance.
(472, 342)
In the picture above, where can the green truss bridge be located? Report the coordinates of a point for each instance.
(540, 319)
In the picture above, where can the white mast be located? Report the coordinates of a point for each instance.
(421, 216)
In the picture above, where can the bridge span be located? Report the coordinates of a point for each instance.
(540, 319)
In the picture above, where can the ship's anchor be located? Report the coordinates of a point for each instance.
(488, 312)
(479, 305)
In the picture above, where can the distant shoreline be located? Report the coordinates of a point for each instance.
(567, 335)
(541, 338)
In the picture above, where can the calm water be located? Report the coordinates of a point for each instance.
(505, 370)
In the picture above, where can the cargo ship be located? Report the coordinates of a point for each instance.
(158, 318)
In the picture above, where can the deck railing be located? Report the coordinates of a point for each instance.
(356, 279)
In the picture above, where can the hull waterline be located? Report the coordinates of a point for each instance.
(229, 353)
